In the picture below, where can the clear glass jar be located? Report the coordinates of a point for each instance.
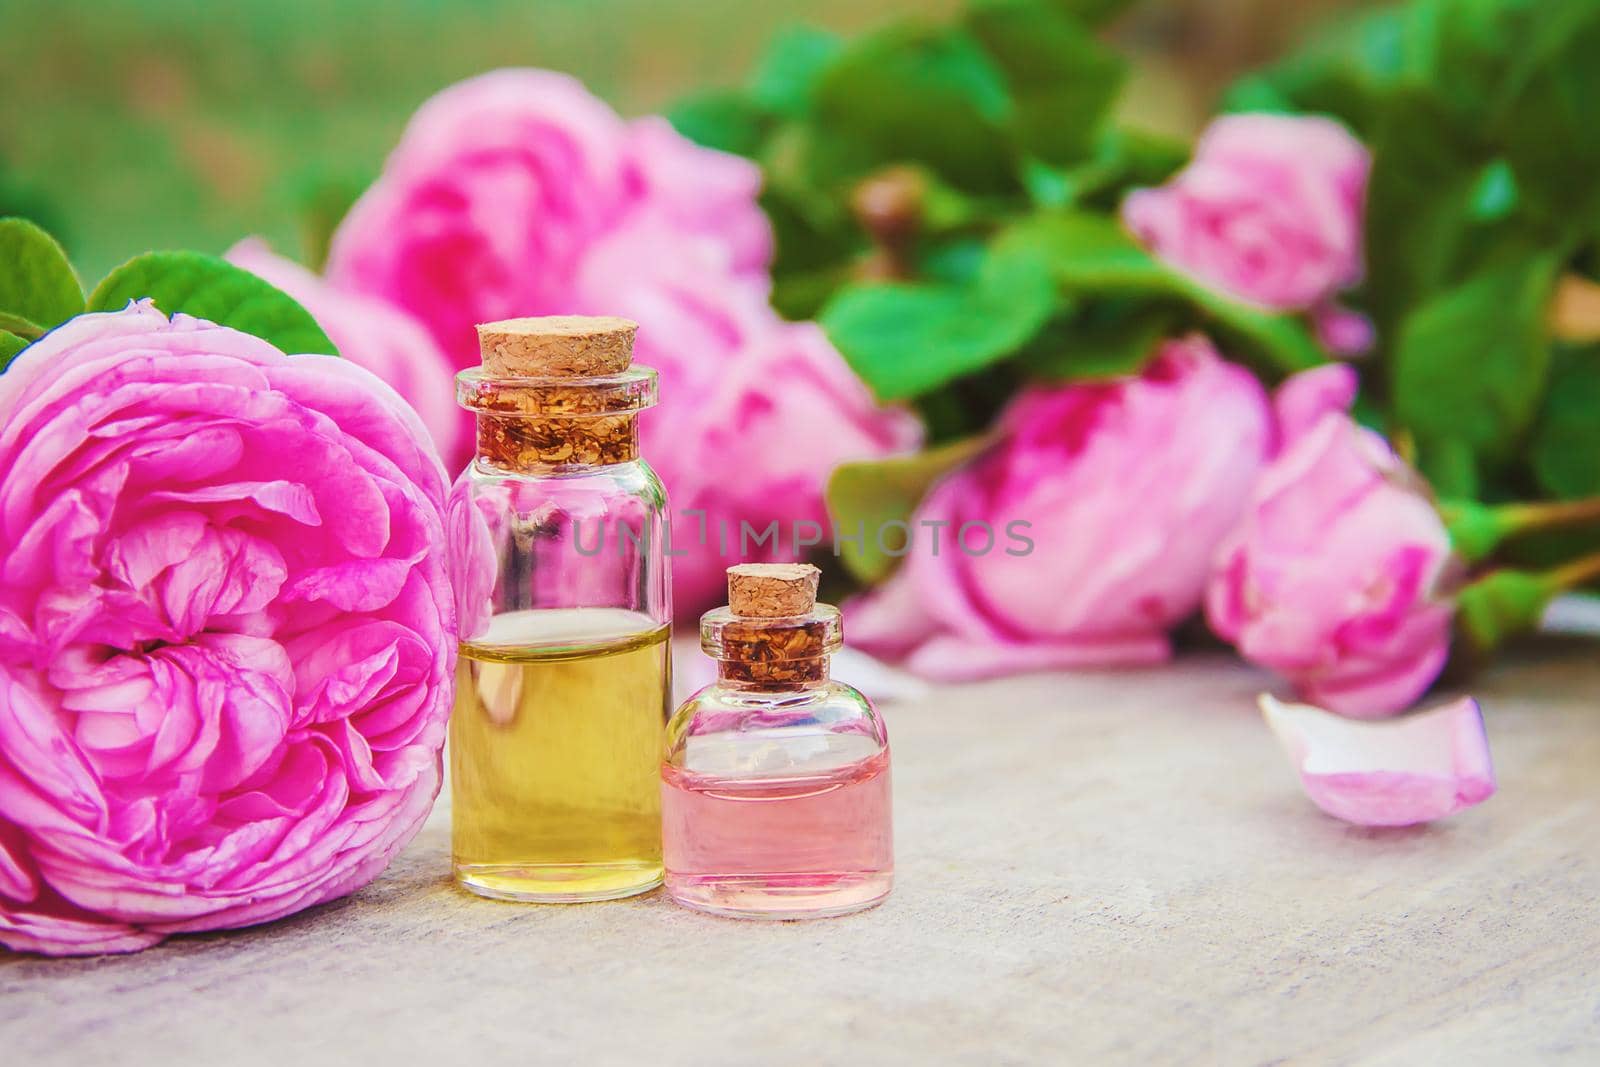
(558, 537)
(775, 784)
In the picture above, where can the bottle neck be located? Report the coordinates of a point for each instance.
(773, 676)
(529, 443)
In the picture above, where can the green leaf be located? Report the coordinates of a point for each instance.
(1475, 529)
(867, 496)
(37, 285)
(1470, 365)
(905, 339)
(787, 74)
(1465, 55)
(727, 120)
(10, 345)
(1419, 203)
(1104, 340)
(1124, 158)
(210, 288)
(1500, 606)
(20, 326)
(914, 94)
(1092, 256)
(1346, 71)
(1550, 126)
(1565, 451)
(1062, 80)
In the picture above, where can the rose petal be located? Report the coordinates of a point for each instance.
(1304, 398)
(1395, 772)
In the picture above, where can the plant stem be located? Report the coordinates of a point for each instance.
(1521, 517)
(1580, 571)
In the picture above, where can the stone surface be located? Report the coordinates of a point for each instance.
(1102, 867)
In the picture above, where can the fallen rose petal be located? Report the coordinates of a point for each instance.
(1393, 772)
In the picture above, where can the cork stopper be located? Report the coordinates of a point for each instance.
(772, 590)
(557, 346)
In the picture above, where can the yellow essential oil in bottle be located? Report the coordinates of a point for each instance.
(558, 536)
(555, 753)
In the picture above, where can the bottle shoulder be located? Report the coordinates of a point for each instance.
(833, 715)
(635, 479)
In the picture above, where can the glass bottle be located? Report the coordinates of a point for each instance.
(775, 785)
(558, 536)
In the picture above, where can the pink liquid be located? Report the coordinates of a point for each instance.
(802, 846)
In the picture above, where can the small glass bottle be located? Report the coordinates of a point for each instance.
(558, 538)
(775, 786)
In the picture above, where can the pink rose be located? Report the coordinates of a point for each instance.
(1269, 210)
(226, 632)
(502, 184)
(1337, 577)
(1124, 490)
(711, 194)
(378, 336)
(551, 204)
(755, 412)
(765, 440)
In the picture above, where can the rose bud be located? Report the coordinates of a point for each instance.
(1339, 574)
(1269, 211)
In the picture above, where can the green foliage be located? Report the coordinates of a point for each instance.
(870, 495)
(1565, 451)
(38, 288)
(1548, 122)
(10, 345)
(1061, 80)
(1003, 109)
(905, 339)
(785, 80)
(211, 288)
(914, 93)
(1011, 264)
(724, 120)
(1470, 365)
(1499, 606)
(1092, 255)
(1486, 146)
(1104, 340)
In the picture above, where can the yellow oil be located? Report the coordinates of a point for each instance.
(555, 755)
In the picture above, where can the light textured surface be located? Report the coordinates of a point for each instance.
(1105, 866)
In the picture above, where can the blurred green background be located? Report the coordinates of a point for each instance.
(128, 125)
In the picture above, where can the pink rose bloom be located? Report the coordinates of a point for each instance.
(378, 336)
(710, 194)
(764, 443)
(518, 193)
(1338, 575)
(1124, 489)
(226, 632)
(1269, 211)
(501, 185)
(755, 412)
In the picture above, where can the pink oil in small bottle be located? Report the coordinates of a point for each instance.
(789, 846)
(775, 798)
